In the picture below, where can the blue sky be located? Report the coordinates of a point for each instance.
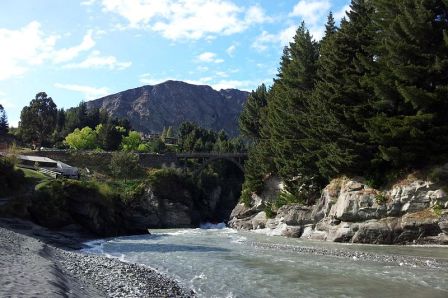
(82, 50)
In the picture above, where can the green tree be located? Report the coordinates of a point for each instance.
(131, 142)
(249, 121)
(109, 136)
(341, 103)
(287, 112)
(84, 139)
(38, 120)
(4, 126)
(125, 165)
(410, 79)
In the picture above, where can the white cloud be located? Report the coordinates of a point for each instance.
(282, 38)
(88, 2)
(68, 54)
(209, 57)
(216, 84)
(95, 60)
(22, 48)
(231, 50)
(342, 13)
(88, 91)
(311, 11)
(187, 19)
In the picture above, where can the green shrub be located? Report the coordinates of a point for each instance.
(10, 179)
(437, 209)
(268, 210)
(171, 184)
(380, 199)
(246, 198)
(284, 197)
(439, 175)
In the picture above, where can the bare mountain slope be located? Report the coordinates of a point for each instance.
(151, 108)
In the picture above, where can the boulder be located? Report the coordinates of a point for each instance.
(383, 231)
(357, 202)
(443, 222)
(295, 214)
(342, 232)
(292, 231)
(259, 220)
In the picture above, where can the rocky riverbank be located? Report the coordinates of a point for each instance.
(413, 210)
(33, 268)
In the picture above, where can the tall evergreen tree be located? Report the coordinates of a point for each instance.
(250, 118)
(4, 126)
(341, 103)
(287, 112)
(411, 82)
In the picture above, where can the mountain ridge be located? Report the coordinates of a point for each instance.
(150, 108)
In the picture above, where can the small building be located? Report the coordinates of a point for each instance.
(39, 162)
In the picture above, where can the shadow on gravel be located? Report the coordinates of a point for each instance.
(140, 247)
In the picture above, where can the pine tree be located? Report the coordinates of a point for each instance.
(411, 83)
(250, 118)
(4, 126)
(287, 112)
(341, 103)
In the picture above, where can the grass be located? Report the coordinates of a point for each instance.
(31, 174)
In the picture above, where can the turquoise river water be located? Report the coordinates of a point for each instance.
(228, 263)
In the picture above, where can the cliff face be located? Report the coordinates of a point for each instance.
(411, 211)
(151, 108)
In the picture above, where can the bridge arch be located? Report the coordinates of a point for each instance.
(208, 161)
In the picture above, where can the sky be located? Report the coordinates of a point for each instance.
(83, 50)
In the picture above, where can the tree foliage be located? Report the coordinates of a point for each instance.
(4, 126)
(371, 99)
(38, 120)
(84, 139)
(125, 165)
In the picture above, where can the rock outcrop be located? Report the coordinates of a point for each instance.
(411, 211)
(151, 108)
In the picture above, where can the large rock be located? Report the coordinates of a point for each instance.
(356, 202)
(295, 214)
(413, 195)
(259, 221)
(411, 211)
(383, 231)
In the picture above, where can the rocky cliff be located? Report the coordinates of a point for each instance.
(151, 108)
(413, 210)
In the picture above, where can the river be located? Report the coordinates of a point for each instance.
(228, 263)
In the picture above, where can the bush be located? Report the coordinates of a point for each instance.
(268, 210)
(125, 165)
(171, 184)
(10, 179)
(380, 199)
(246, 198)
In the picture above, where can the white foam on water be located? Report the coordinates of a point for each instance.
(211, 226)
(94, 247)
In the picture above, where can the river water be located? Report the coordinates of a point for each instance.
(228, 263)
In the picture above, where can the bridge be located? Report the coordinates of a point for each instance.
(92, 159)
(206, 158)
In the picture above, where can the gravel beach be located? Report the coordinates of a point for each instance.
(33, 268)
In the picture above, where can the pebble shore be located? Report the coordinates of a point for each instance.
(33, 268)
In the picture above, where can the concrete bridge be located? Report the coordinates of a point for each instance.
(92, 159)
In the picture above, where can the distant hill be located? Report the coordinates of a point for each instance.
(151, 108)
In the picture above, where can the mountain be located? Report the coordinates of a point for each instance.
(151, 108)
